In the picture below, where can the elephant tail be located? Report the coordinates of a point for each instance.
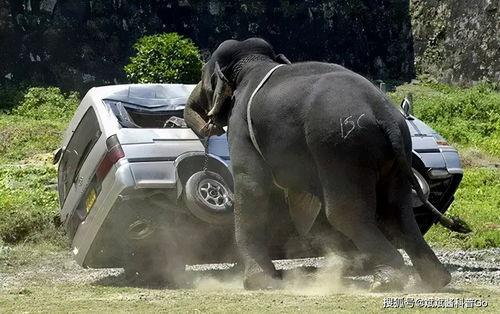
(395, 136)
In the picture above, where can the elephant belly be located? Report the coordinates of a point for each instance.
(296, 172)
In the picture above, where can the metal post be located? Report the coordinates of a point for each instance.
(383, 88)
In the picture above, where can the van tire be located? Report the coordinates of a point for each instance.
(209, 198)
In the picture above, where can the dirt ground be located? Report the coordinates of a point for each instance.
(42, 279)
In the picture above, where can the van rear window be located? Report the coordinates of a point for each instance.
(136, 116)
(81, 143)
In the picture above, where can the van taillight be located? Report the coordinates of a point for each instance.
(113, 154)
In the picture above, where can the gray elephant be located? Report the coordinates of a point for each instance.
(321, 137)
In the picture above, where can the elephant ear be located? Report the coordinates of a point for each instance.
(282, 59)
(222, 91)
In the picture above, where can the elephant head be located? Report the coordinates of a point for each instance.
(209, 105)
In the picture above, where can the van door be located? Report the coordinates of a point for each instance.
(76, 152)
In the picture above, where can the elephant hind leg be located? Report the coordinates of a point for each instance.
(397, 198)
(428, 266)
(350, 202)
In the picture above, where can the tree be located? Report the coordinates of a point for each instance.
(164, 58)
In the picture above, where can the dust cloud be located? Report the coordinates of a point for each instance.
(161, 261)
(209, 283)
(325, 280)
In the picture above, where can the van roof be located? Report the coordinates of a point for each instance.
(147, 96)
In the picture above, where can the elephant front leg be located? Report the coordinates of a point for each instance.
(252, 202)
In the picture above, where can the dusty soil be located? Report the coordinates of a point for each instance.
(44, 280)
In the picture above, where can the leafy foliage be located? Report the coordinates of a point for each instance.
(36, 124)
(164, 58)
(47, 103)
(11, 94)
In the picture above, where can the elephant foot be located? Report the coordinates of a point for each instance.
(436, 279)
(444, 280)
(387, 278)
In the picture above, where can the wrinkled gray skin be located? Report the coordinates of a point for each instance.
(196, 117)
(322, 129)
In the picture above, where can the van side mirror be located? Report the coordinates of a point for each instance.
(407, 105)
(57, 154)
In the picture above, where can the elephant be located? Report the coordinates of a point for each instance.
(324, 139)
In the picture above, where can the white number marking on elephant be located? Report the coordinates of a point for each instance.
(352, 125)
(357, 122)
(347, 121)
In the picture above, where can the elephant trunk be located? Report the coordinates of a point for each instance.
(194, 112)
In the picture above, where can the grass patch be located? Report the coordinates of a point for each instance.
(28, 134)
(469, 117)
(88, 298)
(22, 138)
(477, 201)
(28, 204)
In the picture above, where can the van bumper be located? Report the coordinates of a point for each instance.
(87, 231)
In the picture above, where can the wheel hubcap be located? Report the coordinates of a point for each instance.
(213, 193)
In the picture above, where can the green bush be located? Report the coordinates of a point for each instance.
(165, 58)
(36, 124)
(11, 94)
(47, 103)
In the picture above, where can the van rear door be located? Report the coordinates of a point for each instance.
(76, 151)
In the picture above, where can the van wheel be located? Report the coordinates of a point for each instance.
(209, 198)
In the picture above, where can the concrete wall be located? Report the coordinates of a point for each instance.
(76, 44)
(457, 41)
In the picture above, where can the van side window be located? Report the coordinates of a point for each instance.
(81, 143)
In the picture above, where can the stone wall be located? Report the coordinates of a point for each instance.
(76, 44)
(457, 41)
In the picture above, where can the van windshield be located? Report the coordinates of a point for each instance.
(81, 143)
